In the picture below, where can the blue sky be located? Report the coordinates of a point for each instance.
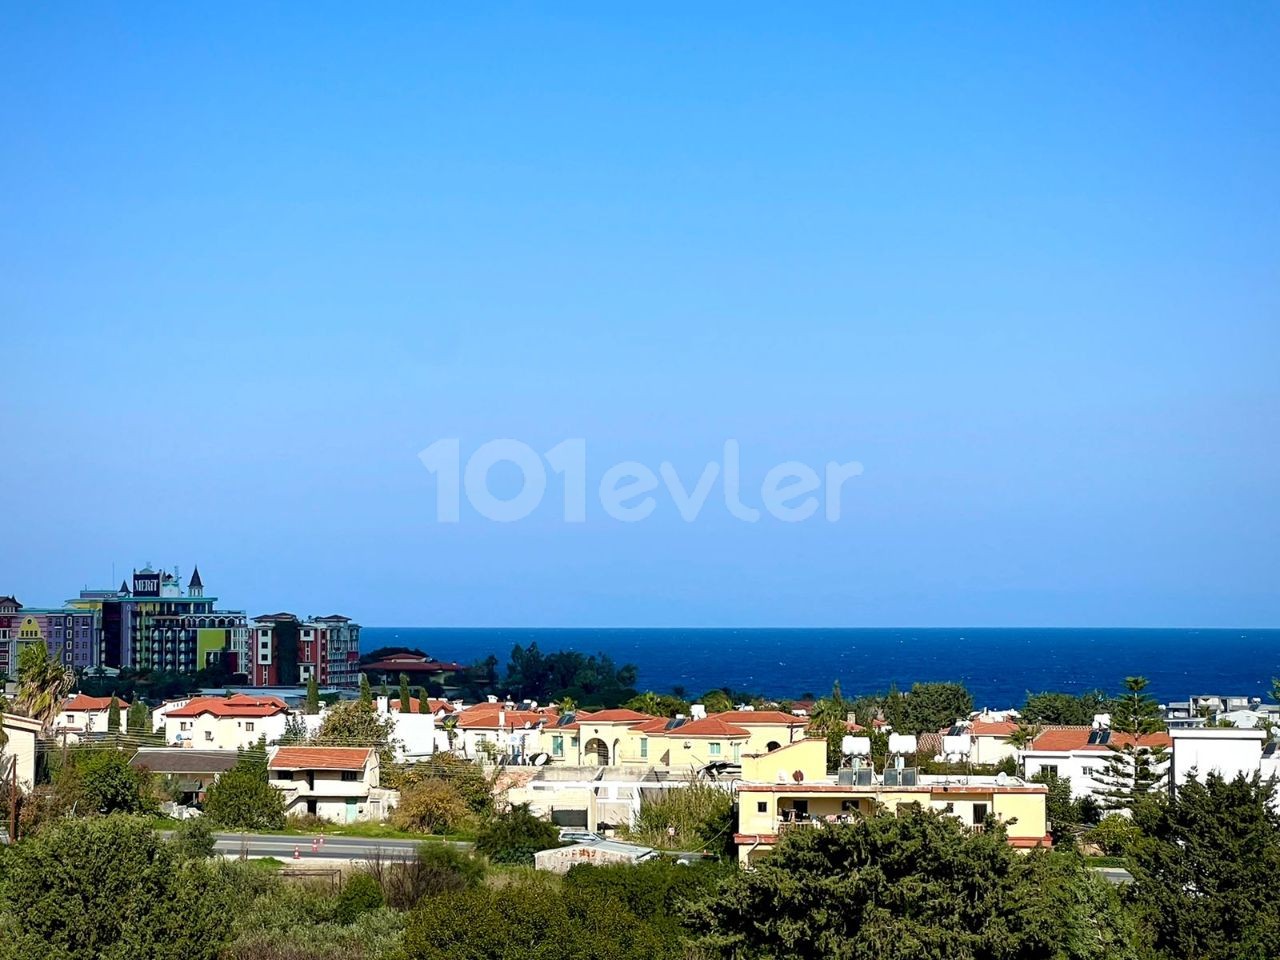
(1022, 263)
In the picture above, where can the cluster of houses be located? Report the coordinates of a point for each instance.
(590, 771)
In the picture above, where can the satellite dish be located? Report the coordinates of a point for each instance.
(527, 724)
(538, 759)
(1002, 779)
(798, 776)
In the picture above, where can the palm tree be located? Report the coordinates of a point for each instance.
(42, 685)
(1021, 737)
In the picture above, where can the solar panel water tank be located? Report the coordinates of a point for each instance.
(901, 744)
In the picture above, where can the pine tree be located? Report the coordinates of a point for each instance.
(366, 693)
(1137, 762)
(313, 695)
(406, 703)
(113, 715)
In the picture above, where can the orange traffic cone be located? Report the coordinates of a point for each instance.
(297, 854)
(315, 846)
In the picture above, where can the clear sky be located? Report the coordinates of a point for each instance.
(1023, 264)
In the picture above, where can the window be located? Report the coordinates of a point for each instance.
(350, 776)
(249, 727)
(557, 746)
(208, 734)
(644, 748)
(1087, 771)
(184, 725)
(715, 749)
(1050, 768)
(762, 806)
(979, 812)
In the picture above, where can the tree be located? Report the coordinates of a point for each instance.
(243, 799)
(366, 692)
(1137, 760)
(1067, 816)
(312, 706)
(360, 894)
(1021, 738)
(355, 723)
(513, 837)
(658, 705)
(107, 889)
(139, 719)
(113, 715)
(295, 731)
(100, 780)
(42, 685)
(424, 702)
(829, 719)
(430, 806)
(918, 884)
(1063, 709)
(406, 702)
(1205, 869)
(716, 701)
(932, 706)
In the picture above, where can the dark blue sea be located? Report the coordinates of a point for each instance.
(998, 666)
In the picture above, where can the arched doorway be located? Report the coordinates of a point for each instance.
(771, 746)
(596, 752)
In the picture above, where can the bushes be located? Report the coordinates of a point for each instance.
(100, 780)
(110, 889)
(466, 777)
(430, 806)
(242, 799)
(1115, 835)
(529, 919)
(360, 894)
(700, 814)
(435, 869)
(654, 890)
(515, 836)
(193, 839)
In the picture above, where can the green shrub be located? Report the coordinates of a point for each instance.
(515, 836)
(193, 839)
(430, 806)
(360, 894)
(242, 799)
(1114, 835)
(698, 816)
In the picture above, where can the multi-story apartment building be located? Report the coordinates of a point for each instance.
(69, 634)
(283, 650)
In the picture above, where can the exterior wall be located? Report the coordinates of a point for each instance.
(807, 756)
(1082, 766)
(763, 734)
(20, 743)
(89, 721)
(207, 732)
(761, 811)
(991, 750)
(1226, 752)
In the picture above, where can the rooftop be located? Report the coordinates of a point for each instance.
(320, 758)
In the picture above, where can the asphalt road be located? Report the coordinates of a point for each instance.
(1115, 875)
(257, 845)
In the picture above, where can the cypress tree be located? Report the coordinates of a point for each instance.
(406, 703)
(423, 706)
(366, 692)
(313, 695)
(139, 719)
(113, 715)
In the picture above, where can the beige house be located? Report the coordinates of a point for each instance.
(19, 745)
(337, 783)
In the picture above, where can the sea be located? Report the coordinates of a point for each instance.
(999, 666)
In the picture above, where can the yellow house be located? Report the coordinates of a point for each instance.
(628, 738)
(766, 811)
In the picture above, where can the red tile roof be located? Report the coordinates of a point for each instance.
(992, 728)
(620, 715)
(237, 705)
(708, 727)
(415, 705)
(748, 717)
(82, 702)
(320, 758)
(486, 716)
(1064, 739)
